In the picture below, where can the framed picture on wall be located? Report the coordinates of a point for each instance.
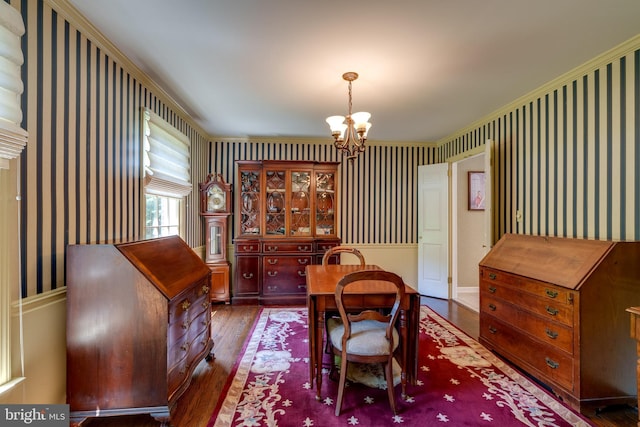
(476, 191)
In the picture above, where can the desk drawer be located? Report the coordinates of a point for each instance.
(557, 294)
(547, 308)
(553, 333)
(549, 362)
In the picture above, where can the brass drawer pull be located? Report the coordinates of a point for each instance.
(492, 307)
(247, 248)
(272, 273)
(205, 289)
(185, 305)
(492, 329)
(304, 248)
(551, 334)
(303, 261)
(492, 289)
(272, 261)
(552, 311)
(205, 304)
(492, 276)
(302, 273)
(247, 275)
(302, 286)
(272, 248)
(551, 293)
(551, 363)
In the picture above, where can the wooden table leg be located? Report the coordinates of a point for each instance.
(319, 343)
(405, 354)
(312, 337)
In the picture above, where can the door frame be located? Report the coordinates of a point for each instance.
(485, 150)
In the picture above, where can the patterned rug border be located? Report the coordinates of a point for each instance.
(225, 410)
(540, 393)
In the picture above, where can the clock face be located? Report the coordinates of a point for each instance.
(216, 200)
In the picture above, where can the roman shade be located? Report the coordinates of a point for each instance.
(167, 158)
(13, 138)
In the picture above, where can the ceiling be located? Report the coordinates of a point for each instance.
(251, 68)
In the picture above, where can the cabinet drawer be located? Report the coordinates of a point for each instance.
(552, 333)
(180, 306)
(247, 247)
(275, 263)
(325, 246)
(178, 329)
(555, 293)
(185, 354)
(176, 375)
(545, 307)
(296, 247)
(549, 362)
(285, 274)
(178, 351)
(247, 275)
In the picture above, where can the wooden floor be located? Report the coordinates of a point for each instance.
(230, 326)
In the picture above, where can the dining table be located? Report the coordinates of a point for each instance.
(321, 283)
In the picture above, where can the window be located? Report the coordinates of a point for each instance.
(167, 175)
(13, 139)
(163, 216)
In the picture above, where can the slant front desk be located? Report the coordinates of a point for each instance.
(321, 287)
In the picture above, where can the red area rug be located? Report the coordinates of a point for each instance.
(460, 383)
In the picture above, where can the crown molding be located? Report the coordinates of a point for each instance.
(605, 58)
(82, 24)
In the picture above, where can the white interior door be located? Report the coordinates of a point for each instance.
(433, 230)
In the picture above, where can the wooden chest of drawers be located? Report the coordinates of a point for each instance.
(138, 324)
(556, 308)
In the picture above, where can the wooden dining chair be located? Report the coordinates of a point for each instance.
(368, 336)
(342, 249)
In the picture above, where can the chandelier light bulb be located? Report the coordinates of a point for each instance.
(350, 136)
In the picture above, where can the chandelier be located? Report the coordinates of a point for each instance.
(350, 136)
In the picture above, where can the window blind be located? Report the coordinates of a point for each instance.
(167, 158)
(13, 138)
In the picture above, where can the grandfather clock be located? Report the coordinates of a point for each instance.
(215, 208)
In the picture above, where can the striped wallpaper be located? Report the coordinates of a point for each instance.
(568, 159)
(80, 174)
(377, 191)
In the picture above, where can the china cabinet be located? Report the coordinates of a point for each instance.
(555, 307)
(287, 219)
(215, 208)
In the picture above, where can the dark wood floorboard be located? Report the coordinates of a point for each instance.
(230, 326)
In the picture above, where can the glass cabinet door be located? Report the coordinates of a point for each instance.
(275, 196)
(325, 203)
(300, 221)
(215, 237)
(250, 202)
(216, 234)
